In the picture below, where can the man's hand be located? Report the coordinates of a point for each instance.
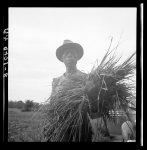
(92, 91)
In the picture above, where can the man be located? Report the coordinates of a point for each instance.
(69, 53)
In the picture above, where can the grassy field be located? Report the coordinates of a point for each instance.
(26, 127)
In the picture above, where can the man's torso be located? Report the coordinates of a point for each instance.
(68, 80)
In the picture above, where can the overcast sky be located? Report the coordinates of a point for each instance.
(36, 33)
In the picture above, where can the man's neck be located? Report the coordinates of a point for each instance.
(71, 70)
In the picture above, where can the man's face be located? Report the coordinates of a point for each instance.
(70, 57)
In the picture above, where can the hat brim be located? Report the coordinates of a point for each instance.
(75, 46)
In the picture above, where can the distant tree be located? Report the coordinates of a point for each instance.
(20, 104)
(28, 105)
(11, 104)
(16, 104)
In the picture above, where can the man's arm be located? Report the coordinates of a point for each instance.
(92, 92)
(54, 85)
(95, 115)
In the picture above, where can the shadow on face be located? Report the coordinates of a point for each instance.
(69, 57)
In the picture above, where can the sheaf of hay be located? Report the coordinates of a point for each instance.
(112, 92)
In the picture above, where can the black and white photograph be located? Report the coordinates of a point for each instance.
(71, 74)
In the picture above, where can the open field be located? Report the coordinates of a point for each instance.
(26, 127)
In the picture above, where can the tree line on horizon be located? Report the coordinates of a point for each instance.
(28, 105)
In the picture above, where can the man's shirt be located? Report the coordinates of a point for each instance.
(62, 82)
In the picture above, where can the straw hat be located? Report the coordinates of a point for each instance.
(67, 44)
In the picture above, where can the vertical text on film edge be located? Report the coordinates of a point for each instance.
(5, 52)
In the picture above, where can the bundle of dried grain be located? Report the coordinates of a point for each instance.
(111, 92)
